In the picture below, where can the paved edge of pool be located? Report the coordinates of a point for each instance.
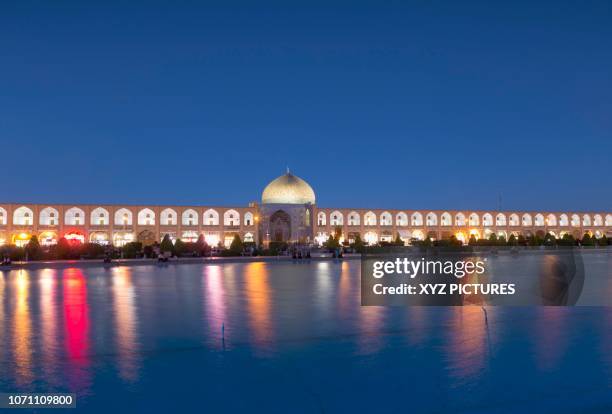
(61, 264)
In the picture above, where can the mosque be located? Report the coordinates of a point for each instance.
(287, 213)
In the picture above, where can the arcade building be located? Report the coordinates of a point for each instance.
(287, 213)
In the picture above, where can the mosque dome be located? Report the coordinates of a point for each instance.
(288, 189)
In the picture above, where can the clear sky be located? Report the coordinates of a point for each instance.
(425, 104)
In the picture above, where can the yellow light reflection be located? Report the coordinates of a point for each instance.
(22, 330)
(125, 322)
(258, 297)
(48, 321)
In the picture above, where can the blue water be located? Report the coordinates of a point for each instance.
(149, 339)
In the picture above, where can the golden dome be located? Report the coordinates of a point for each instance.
(288, 189)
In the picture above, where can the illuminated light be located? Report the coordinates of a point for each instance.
(371, 237)
(75, 237)
(461, 237)
(21, 239)
(2, 242)
(321, 238)
(190, 236)
(48, 238)
(212, 239)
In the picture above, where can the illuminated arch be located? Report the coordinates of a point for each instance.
(74, 217)
(551, 220)
(597, 220)
(189, 218)
(3, 216)
(575, 220)
(386, 219)
(336, 218)
(460, 219)
(539, 220)
(401, 219)
(168, 217)
(474, 220)
(527, 221)
(487, 219)
(48, 216)
(231, 218)
(416, 219)
(23, 216)
(248, 221)
(146, 217)
(211, 218)
(353, 219)
(99, 217)
(369, 219)
(563, 220)
(321, 218)
(446, 219)
(123, 217)
(431, 219)
(609, 220)
(514, 220)
(586, 220)
(500, 220)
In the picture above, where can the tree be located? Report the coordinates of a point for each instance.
(602, 241)
(512, 240)
(236, 246)
(550, 239)
(398, 240)
(493, 239)
(166, 245)
(587, 240)
(567, 240)
(473, 241)
(179, 247)
(358, 244)
(332, 243)
(202, 246)
(33, 249)
(131, 250)
(62, 249)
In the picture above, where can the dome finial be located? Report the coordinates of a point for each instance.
(288, 170)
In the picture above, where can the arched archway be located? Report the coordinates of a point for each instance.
(280, 226)
(146, 237)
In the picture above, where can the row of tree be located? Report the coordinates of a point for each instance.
(536, 240)
(73, 250)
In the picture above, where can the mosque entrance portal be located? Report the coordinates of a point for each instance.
(280, 226)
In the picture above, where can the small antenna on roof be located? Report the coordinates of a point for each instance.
(288, 170)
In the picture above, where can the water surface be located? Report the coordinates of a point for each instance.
(289, 337)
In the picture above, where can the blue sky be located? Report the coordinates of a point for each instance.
(424, 104)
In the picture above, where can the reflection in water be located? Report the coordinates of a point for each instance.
(371, 331)
(550, 336)
(76, 324)
(48, 321)
(125, 322)
(345, 295)
(324, 288)
(259, 303)
(468, 344)
(22, 330)
(214, 294)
